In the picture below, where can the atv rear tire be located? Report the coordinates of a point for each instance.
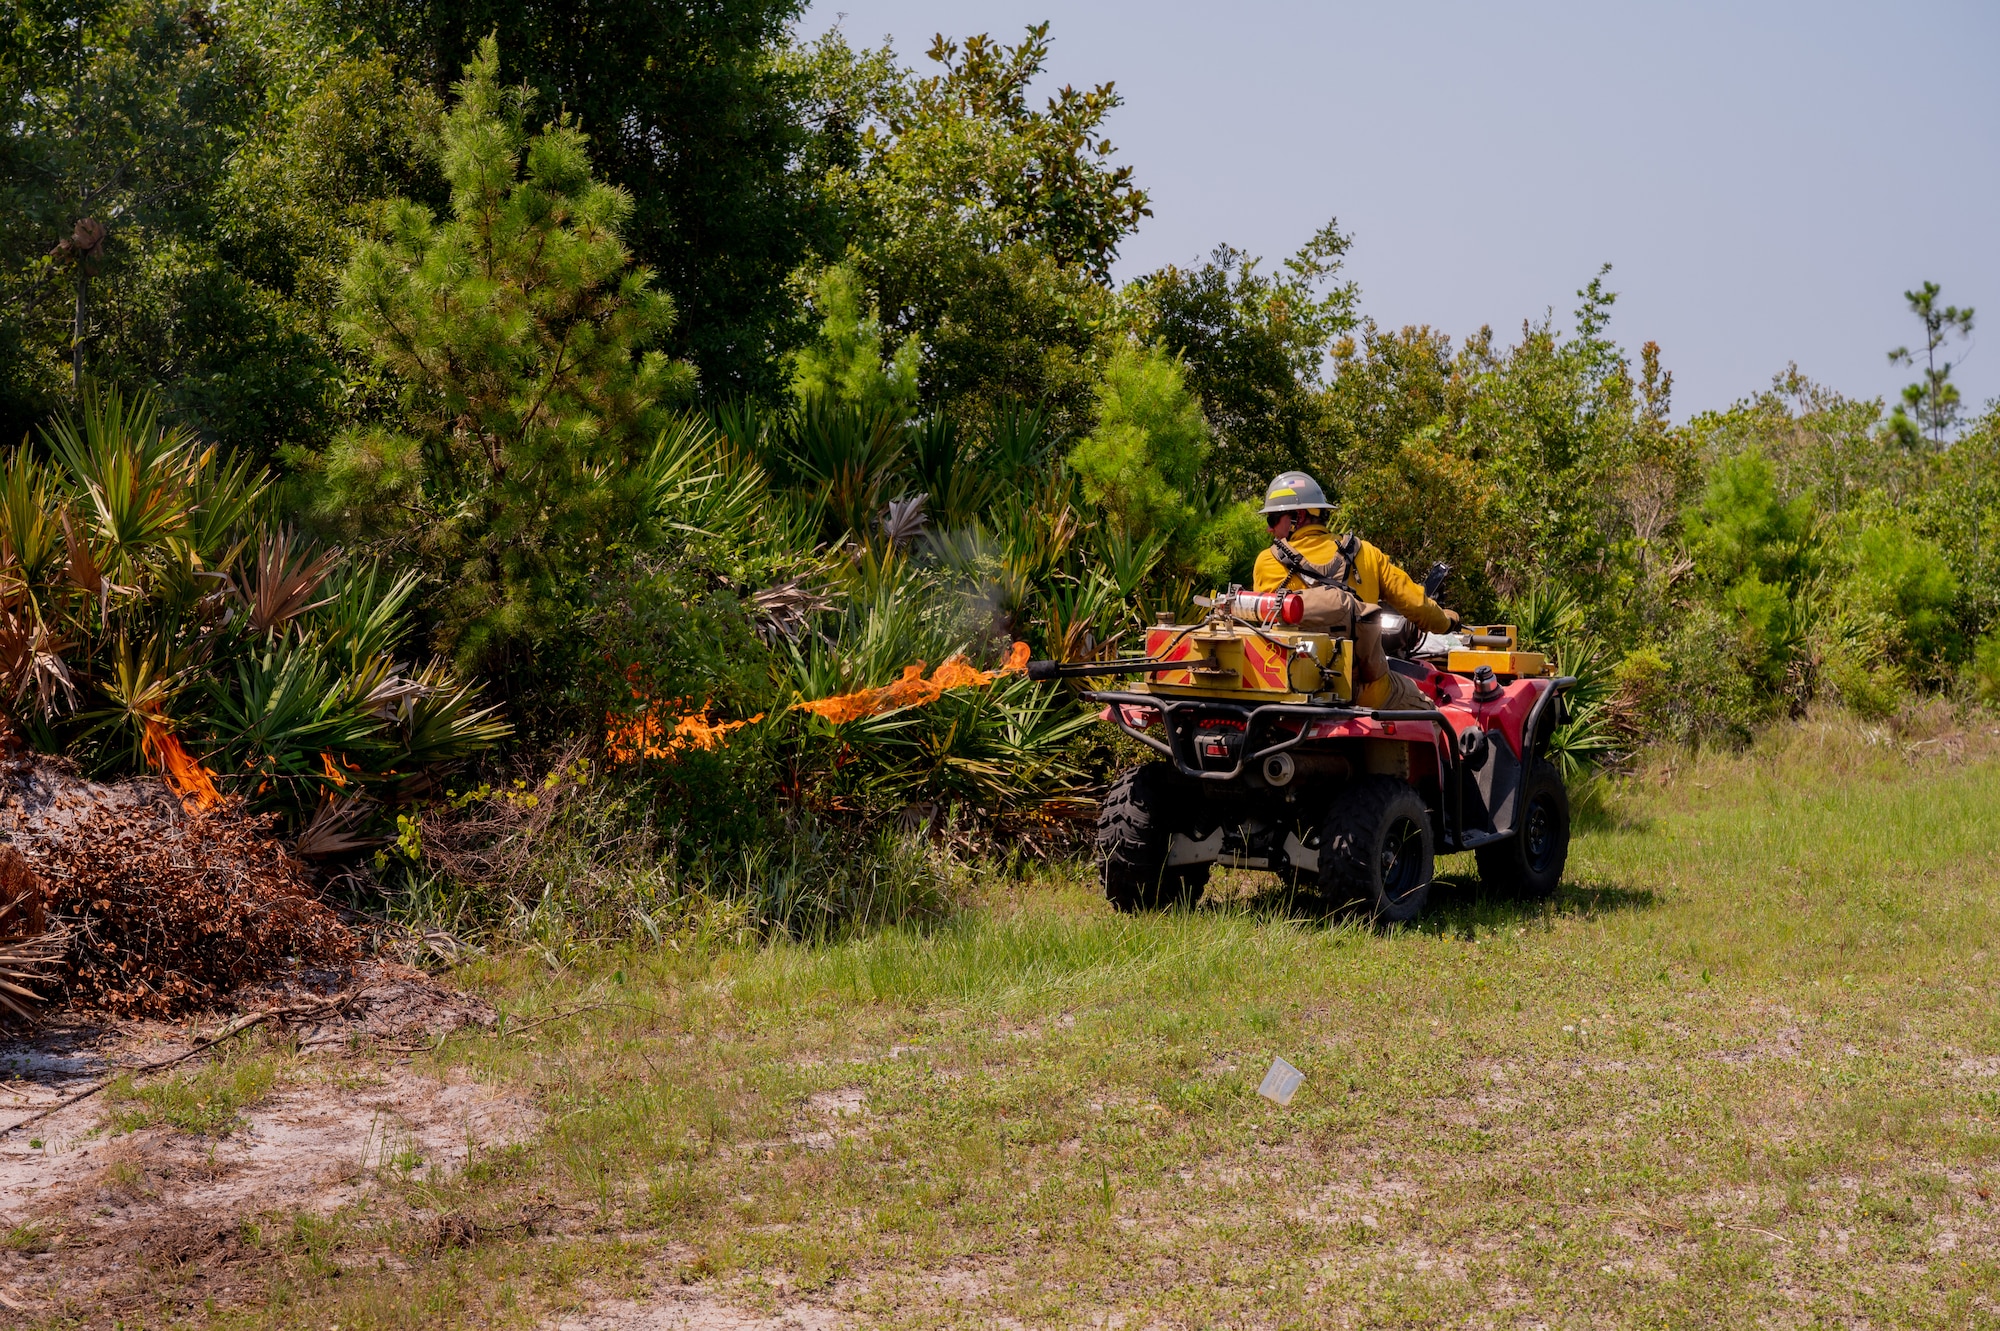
(1530, 863)
(1375, 850)
(1135, 826)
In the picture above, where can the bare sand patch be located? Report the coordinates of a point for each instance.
(91, 1207)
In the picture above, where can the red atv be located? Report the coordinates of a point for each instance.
(1265, 763)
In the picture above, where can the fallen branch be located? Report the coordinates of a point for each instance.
(229, 1031)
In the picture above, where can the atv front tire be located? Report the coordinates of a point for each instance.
(1375, 850)
(1135, 826)
(1530, 863)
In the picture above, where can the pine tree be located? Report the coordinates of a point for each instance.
(518, 330)
(1931, 406)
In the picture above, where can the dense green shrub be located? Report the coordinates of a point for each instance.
(1986, 669)
(1899, 600)
(846, 363)
(1688, 688)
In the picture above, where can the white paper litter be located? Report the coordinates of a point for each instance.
(1281, 1083)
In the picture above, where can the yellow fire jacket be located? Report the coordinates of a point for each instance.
(1373, 577)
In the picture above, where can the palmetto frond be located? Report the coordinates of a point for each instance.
(365, 614)
(847, 456)
(699, 483)
(280, 586)
(30, 521)
(31, 661)
(131, 474)
(904, 520)
(284, 706)
(446, 723)
(225, 494)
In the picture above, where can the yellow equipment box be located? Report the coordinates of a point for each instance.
(1532, 664)
(1274, 665)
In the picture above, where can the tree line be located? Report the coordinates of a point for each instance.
(656, 356)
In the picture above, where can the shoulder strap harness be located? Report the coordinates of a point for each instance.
(1333, 573)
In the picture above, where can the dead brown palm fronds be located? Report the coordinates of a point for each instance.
(26, 961)
(83, 570)
(284, 579)
(31, 659)
(177, 910)
(334, 829)
(47, 674)
(782, 612)
(16, 649)
(31, 951)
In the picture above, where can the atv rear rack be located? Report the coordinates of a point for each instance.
(1453, 836)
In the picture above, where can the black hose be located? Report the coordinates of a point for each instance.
(1047, 670)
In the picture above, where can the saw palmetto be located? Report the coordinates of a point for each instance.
(281, 584)
(144, 599)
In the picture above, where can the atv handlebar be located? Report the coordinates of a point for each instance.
(1434, 580)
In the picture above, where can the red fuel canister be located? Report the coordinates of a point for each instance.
(1266, 607)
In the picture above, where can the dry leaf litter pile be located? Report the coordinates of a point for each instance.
(136, 906)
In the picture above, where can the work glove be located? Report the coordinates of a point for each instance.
(1451, 620)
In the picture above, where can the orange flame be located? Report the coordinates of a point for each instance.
(648, 736)
(913, 690)
(181, 770)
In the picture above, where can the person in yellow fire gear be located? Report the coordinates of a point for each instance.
(1304, 553)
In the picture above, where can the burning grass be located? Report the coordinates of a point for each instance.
(183, 773)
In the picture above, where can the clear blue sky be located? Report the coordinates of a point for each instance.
(1766, 179)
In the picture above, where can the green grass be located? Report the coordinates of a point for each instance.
(1737, 1074)
(204, 1101)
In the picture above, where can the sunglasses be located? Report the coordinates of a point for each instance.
(1273, 519)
